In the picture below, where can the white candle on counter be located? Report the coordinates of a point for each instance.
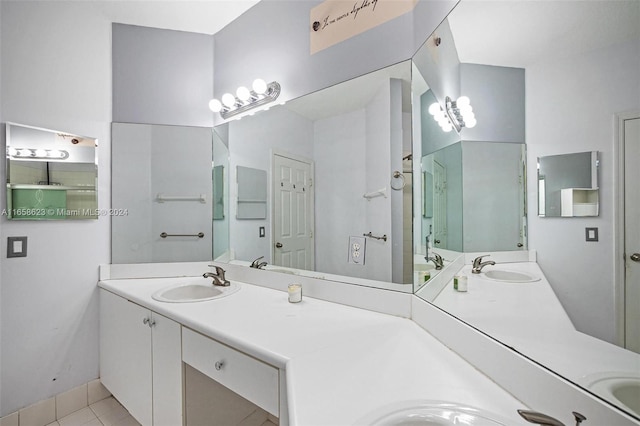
(295, 293)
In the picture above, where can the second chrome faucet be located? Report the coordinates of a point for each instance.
(478, 264)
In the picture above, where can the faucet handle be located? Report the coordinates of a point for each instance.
(478, 260)
(220, 272)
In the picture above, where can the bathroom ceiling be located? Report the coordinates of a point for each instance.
(569, 29)
(199, 16)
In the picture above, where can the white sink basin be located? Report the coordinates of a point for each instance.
(423, 267)
(194, 290)
(510, 276)
(430, 413)
(282, 270)
(621, 389)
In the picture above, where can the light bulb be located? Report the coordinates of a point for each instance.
(215, 105)
(434, 108)
(465, 109)
(469, 116)
(41, 153)
(243, 93)
(259, 86)
(14, 152)
(463, 101)
(447, 128)
(470, 123)
(24, 152)
(54, 153)
(228, 100)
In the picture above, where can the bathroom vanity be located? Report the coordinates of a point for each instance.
(307, 363)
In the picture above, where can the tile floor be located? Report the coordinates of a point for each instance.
(107, 412)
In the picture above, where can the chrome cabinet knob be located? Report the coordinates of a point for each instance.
(145, 321)
(635, 257)
(219, 365)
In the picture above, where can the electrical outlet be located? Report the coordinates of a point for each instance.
(357, 246)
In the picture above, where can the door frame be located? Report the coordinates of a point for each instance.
(619, 272)
(312, 208)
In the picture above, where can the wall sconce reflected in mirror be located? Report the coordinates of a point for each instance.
(457, 114)
(28, 153)
(245, 99)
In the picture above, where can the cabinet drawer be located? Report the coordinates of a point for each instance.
(246, 376)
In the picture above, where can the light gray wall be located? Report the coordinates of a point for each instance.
(162, 76)
(55, 74)
(271, 41)
(571, 102)
(498, 99)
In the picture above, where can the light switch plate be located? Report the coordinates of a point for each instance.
(357, 249)
(591, 234)
(16, 247)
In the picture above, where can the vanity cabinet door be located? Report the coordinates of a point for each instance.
(141, 360)
(125, 354)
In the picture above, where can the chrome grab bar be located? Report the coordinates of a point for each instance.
(165, 235)
(370, 235)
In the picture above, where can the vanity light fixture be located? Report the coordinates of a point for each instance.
(458, 114)
(40, 154)
(245, 99)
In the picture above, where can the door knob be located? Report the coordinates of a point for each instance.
(520, 244)
(278, 245)
(635, 257)
(436, 241)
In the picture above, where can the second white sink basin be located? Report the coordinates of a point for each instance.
(194, 290)
(618, 387)
(509, 276)
(430, 413)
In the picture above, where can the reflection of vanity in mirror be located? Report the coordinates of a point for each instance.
(51, 175)
(336, 152)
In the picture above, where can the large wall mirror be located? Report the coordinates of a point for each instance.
(336, 167)
(51, 175)
(458, 59)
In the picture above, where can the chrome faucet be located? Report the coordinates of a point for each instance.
(545, 420)
(478, 264)
(218, 277)
(437, 260)
(257, 264)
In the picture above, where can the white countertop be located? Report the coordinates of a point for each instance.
(506, 309)
(341, 362)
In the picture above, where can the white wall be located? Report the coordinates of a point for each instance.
(571, 102)
(56, 64)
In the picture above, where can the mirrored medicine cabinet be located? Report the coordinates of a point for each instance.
(568, 185)
(51, 175)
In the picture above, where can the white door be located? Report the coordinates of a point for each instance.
(632, 233)
(293, 220)
(439, 206)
